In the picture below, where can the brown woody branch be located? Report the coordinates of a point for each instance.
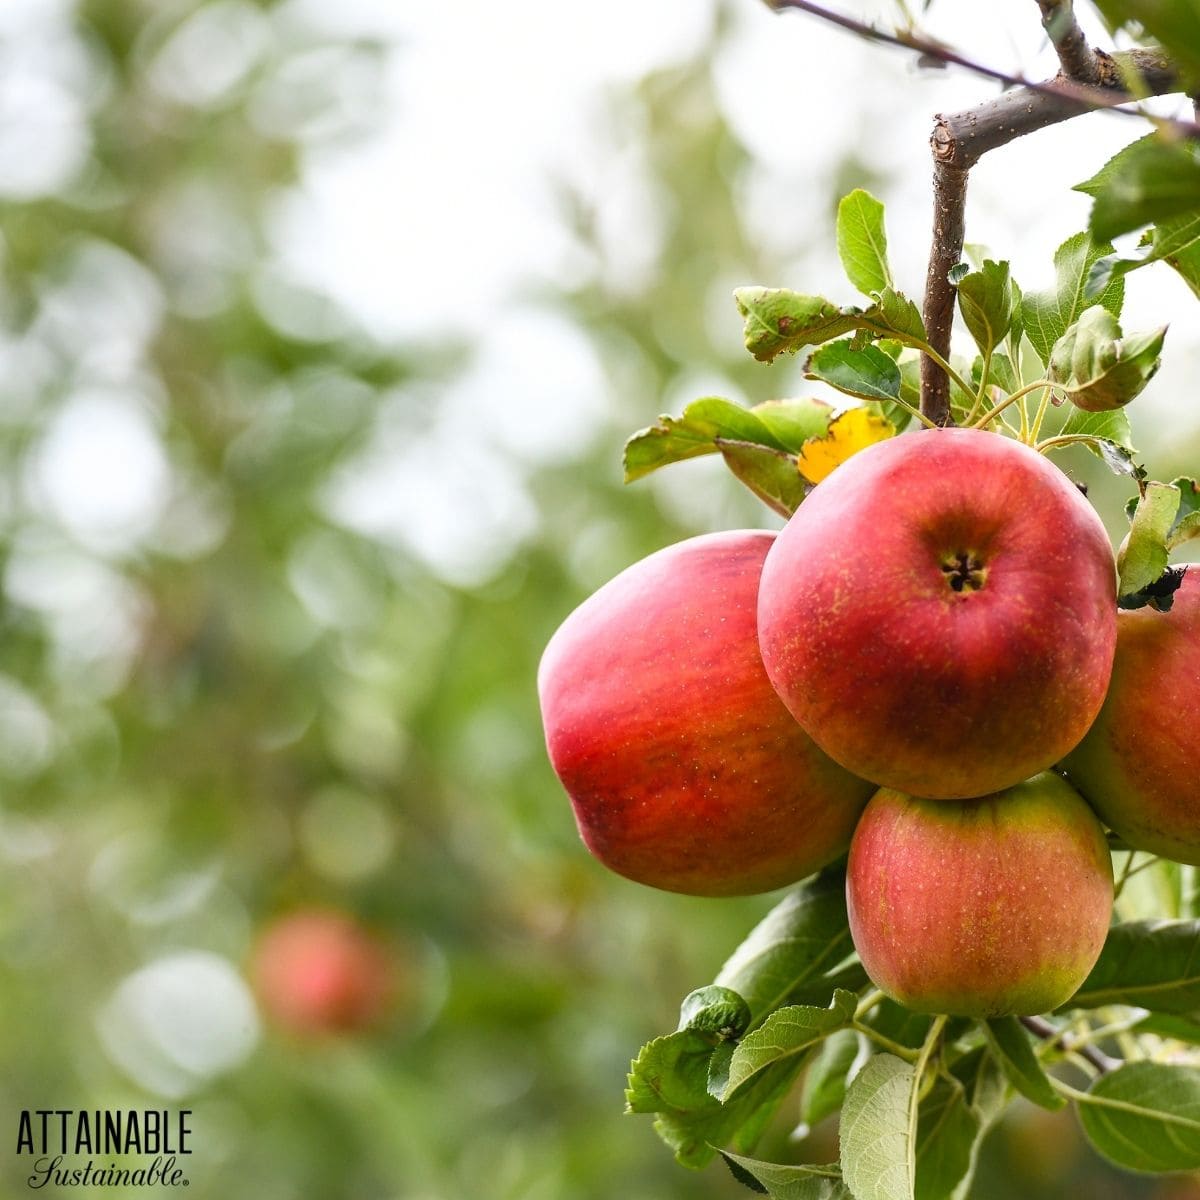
(1052, 1035)
(1090, 80)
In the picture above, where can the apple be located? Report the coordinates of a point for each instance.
(684, 769)
(980, 908)
(1139, 764)
(940, 614)
(318, 971)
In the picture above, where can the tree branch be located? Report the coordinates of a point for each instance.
(949, 215)
(1042, 1028)
(1075, 55)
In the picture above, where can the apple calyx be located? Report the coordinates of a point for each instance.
(964, 571)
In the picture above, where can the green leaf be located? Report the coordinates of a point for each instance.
(1098, 368)
(772, 475)
(874, 1134)
(1146, 964)
(1143, 557)
(1175, 23)
(986, 299)
(1145, 1116)
(824, 1086)
(793, 422)
(862, 242)
(795, 954)
(714, 1010)
(897, 313)
(1011, 1046)
(1186, 261)
(866, 372)
(779, 321)
(670, 1077)
(1187, 519)
(1047, 315)
(785, 1035)
(947, 1130)
(1151, 180)
(1176, 242)
(787, 1182)
(674, 439)
(1112, 426)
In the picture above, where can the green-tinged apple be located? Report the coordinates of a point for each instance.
(980, 908)
(1139, 764)
(940, 614)
(684, 769)
(318, 971)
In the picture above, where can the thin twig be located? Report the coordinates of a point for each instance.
(1075, 55)
(1042, 1028)
(949, 215)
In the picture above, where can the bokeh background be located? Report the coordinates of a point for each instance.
(321, 327)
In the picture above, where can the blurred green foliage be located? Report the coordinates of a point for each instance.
(219, 702)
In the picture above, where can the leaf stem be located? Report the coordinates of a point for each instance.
(868, 1002)
(932, 1038)
(885, 1043)
(1041, 414)
(990, 416)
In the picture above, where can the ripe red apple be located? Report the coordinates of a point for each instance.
(320, 972)
(684, 769)
(1139, 764)
(940, 613)
(980, 908)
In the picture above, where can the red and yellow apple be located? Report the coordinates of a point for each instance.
(318, 971)
(940, 614)
(1139, 764)
(980, 908)
(685, 770)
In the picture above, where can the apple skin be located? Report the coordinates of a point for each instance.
(684, 769)
(913, 682)
(983, 908)
(1139, 764)
(317, 972)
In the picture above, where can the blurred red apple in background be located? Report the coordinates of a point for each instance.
(1139, 764)
(980, 908)
(940, 614)
(318, 971)
(684, 769)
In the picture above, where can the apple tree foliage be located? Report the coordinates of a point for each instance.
(792, 1017)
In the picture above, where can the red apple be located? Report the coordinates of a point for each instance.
(980, 908)
(1139, 764)
(940, 613)
(320, 972)
(684, 769)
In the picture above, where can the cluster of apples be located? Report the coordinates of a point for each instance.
(920, 668)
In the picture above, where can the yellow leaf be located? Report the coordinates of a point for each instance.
(854, 430)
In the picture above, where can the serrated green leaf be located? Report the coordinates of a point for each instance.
(986, 299)
(796, 953)
(1151, 180)
(867, 372)
(782, 1182)
(862, 242)
(1143, 556)
(670, 1073)
(793, 422)
(1145, 1116)
(694, 433)
(947, 1130)
(718, 1011)
(772, 475)
(1098, 368)
(785, 1035)
(895, 312)
(1176, 242)
(824, 1086)
(1011, 1046)
(1186, 261)
(1047, 315)
(1146, 964)
(874, 1134)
